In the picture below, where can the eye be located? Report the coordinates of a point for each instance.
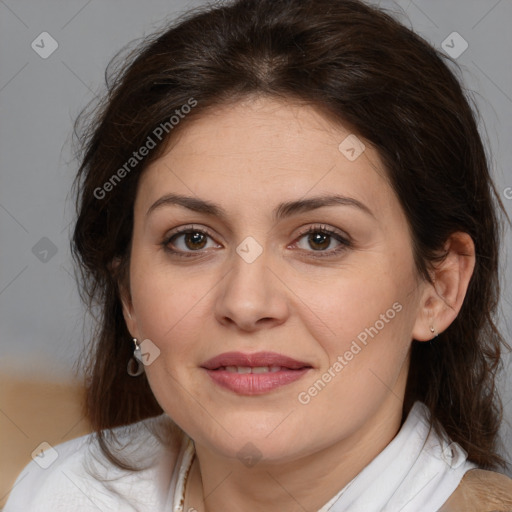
(187, 240)
(320, 238)
(190, 239)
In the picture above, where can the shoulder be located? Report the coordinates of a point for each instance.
(481, 491)
(75, 475)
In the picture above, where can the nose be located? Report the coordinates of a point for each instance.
(251, 296)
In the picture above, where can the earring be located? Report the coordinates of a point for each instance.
(135, 366)
(433, 331)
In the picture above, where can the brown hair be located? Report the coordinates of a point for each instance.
(364, 69)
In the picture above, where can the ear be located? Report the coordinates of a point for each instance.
(441, 301)
(126, 300)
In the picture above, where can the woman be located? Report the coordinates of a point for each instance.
(286, 218)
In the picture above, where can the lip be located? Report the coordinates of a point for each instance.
(254, 383)
(252, 360)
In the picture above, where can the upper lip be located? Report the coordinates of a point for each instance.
(253, 360)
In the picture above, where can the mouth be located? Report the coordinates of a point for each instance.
(253, 369)
(259, 361)
(254, 374)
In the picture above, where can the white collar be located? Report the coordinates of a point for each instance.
(417, 470)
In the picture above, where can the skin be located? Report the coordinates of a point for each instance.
(248, 157)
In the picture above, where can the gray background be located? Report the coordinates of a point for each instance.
(41, 317)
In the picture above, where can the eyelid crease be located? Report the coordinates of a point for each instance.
(325, 228)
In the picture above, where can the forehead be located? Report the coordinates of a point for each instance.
(249, 151)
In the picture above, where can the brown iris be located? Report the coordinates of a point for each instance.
(319, 239)
(195, 239)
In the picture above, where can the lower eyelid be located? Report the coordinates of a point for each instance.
(343, 246)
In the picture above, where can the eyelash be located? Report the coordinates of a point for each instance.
(345, 243)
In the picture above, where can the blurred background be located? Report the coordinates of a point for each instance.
(53, 57)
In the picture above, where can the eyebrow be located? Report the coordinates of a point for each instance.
(283, 210)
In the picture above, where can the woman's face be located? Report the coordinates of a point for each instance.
(249, 280)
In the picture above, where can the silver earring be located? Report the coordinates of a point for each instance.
(433, 331)
(135, 366)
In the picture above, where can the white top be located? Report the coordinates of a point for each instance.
(416, 471)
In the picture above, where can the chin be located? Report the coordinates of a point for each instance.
(251, 449)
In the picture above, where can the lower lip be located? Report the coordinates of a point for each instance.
(255, 383)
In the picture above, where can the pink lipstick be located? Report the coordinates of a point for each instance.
(254, 374)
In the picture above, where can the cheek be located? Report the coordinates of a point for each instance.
(363, 363)
(363, 330)
(344, 303)
(363, 325)
(163, 299)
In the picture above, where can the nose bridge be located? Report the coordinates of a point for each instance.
(249, 279)
(250, 291)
